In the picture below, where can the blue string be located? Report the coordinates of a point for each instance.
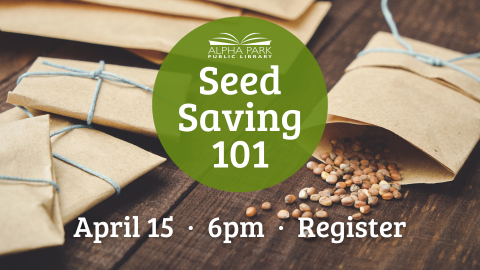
(69, 161)
(31, 180)
(98, 74)
(69, 128)
(25, 110)
(80, 166)
(90, 171)
(434, 61)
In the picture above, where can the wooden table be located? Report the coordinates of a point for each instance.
(443, 220)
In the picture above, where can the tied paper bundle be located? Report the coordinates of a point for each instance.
(147, 34)
(120, 161)
(119, 105)
(30, 213)
(430, 104)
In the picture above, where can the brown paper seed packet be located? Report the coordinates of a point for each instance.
(303, 28)
(456, 80)
(283, 9)
(117, 159)
(139, 30)
(187, 8)
(119, 105)
(30, 213)
(430, 114)
(96, 24)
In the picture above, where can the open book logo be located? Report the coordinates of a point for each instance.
(230, 40)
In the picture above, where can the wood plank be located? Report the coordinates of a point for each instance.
(94, 53)
(442, 220)
(17, 50)
(342, 13)
(16, 53)
(432, 214)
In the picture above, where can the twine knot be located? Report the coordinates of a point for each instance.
(431, 60)
(96, 73)
(435, 61)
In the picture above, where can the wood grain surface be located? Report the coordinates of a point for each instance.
(443, 220)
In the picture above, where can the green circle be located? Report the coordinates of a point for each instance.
(240, 46)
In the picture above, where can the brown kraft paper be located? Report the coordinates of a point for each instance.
(187, 8)
(118, 105)
(431, 126)
(117, 159)
(147, 34)
(456, 80)
(303, 28)
(30, 213)
(284, 9)
(96, 24)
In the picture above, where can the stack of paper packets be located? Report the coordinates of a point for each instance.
(151, 28)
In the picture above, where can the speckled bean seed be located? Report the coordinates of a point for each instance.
(325, 201)
(283, 214)
(321, 214)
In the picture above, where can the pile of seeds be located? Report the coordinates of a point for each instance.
(357, 165)
(360, 174)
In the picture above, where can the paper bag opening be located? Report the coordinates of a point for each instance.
(433, 127)
(415, 166)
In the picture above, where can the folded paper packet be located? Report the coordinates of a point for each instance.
(456, 80)
(30, 212)
(97, 24)
(188, 8)
(431, 114)
(303, 28)
(119, 105)
(284, 9)
(117, 159)
(140, 31)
